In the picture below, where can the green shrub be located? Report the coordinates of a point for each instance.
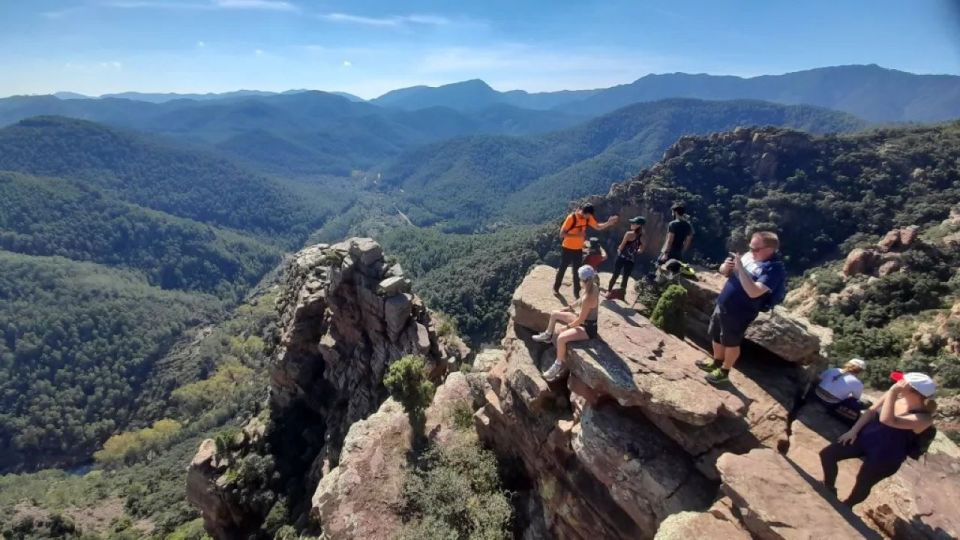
(456, 494)
(406, 379)
(463, 416)
(669, 313)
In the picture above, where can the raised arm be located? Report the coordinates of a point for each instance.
(751, 287)
(889, 417)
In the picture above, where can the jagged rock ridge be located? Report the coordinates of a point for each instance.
(345, 316)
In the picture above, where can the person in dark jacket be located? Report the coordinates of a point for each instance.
(883, 436)
(751, 280)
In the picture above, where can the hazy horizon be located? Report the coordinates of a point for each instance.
(96, 47)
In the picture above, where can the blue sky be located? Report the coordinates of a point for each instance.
(370, 46)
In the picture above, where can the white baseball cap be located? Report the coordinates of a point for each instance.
(858, 362)
(921, 383)
(586, 272)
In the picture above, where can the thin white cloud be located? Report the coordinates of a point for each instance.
(95, 67)
(206, 5)
(347, 63)
(387, 22)
(258, 52)
(201, 44)
(269, 5)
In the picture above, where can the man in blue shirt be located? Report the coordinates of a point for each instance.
(750, 284)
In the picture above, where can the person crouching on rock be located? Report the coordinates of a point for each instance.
(744, 295)
(579, 327)
(627, 252)
(594, 254)
(839, 390)
(574, 232)
(884, 436)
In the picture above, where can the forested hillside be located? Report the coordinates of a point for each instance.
(471, 184)
(78, 342)
(51, 216)
(138, 170)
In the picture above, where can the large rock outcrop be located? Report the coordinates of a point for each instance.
(345, 316)
(788, 336)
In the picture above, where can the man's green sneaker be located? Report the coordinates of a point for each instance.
(708, 365)
(717, 376)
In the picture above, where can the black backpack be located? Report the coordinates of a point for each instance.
(921, 443)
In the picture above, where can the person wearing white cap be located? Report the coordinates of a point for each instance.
(579, 327)
(839, 390)
(894, 428)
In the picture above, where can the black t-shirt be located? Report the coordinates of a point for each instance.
(681, 230)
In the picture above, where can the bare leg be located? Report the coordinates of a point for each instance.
(730, 356)
(718, 351)
(567, 336)
(564, 317)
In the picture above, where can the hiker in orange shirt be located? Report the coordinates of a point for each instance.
(574, 233)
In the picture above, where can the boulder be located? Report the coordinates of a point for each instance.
(890, 241)
(358, 498)
(785, 335)
(908, 235)
(393, 286)
(860, 261)
(694, 525)
(644, 471)
(920, 501)
(634, 363)
(776, 502)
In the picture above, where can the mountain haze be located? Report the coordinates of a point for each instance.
(477, 182)
(870, 92)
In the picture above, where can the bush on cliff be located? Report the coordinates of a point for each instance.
(455, 494)
(406, 379)
(668, 315)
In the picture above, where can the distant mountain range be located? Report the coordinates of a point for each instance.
(305, 132)
(171, 96)
(870, 92)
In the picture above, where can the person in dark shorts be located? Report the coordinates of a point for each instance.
(579, 326)
(573, 232)
(749, 286)
(630, 246)
(679, 235)
(884, 436)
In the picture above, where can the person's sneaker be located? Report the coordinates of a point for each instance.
(717, 376)
(555, 372)
(708, 365)
(543, 337)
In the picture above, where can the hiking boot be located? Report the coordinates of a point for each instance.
(556, 371)
(708, 365)
(717, 377)
(543, 337)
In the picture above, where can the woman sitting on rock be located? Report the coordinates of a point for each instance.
(839, 390)
(884, 436)
(578, 327)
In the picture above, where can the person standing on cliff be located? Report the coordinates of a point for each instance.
(573, 233)
(755, 282)
(679, 235)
